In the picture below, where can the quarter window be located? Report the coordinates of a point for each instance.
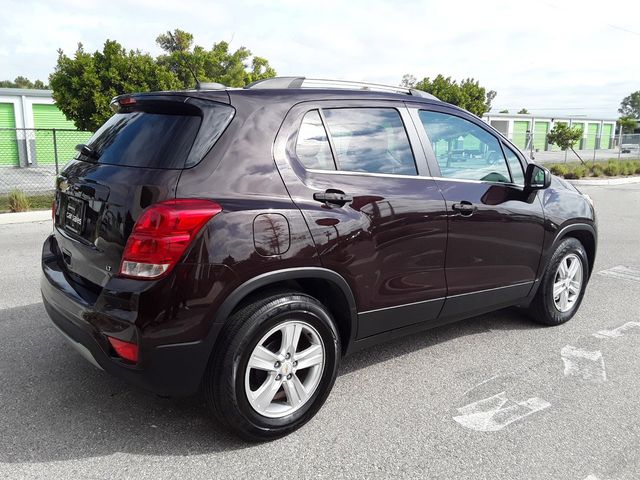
(370, 140)
(464, 150)
(312, 146)
(514, 165)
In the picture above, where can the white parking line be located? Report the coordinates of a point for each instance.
(585, 364)
(494, 413)
(622, 272)
(618, 331)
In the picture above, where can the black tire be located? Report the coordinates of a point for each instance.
(224, 384)
(543, 309)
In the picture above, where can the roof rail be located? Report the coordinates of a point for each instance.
(303, 82)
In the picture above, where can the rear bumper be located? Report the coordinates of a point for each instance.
(166, 369)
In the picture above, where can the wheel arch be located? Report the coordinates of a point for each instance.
(327, 286)
(585, 233)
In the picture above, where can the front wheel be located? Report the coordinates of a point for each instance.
(563, 284)
(276, 364)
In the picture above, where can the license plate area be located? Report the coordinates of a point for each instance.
(74, 215)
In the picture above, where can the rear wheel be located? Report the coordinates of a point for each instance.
(563, 284)
(275, 365)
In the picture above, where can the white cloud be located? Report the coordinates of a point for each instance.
(561, 56)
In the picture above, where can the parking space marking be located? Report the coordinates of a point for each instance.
(588, 365)
(496, 412)
(622, 272)
(618, 331)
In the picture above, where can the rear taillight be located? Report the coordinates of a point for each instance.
(162, 234)
(125, 350)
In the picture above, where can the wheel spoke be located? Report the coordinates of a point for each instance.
(309, 357)
(564, 299)
(263, 359)
(264, 395)
(573, 269)
(290, 337)
(296, 393)
(574, 287)
(558, 288)
(563, 270)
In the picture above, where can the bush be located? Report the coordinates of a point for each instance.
(612, 169)
(597, 170)
(560, 170)
(18, 201)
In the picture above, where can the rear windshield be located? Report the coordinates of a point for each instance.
(143, 139)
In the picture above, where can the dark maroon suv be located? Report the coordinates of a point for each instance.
(243, 240)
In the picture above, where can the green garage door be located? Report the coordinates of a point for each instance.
(578, 145)
(49, 117)
(8, 141)
(540, 135)
(605, 140)
(520, 133)
(592, 135)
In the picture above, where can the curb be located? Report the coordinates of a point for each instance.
(25, 217)
(606, 181)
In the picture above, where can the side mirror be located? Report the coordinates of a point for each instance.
(537, 177)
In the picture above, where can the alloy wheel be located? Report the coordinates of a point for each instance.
(284, 369)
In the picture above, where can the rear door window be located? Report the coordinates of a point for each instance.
(142, 139)
(370, 140)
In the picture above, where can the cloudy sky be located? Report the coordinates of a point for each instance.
(557, 56)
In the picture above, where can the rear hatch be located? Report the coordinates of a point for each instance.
(133, 161)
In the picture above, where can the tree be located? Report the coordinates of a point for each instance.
(504, 111)
(408, 80)
(627, 124)
(565, 137)
(523, 111)
(630, 105)
(467, 94)
(83, 85)
(220, 64)
(23, 82)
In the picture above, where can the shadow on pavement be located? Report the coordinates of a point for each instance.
(56, 406)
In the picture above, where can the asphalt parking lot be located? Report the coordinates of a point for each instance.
(491, 397)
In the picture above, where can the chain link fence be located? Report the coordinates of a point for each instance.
(30, 158)
(591, 147)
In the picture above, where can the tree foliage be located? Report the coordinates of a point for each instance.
(523, 111)
(219, 64)
(627, 124)
(630, 105)
(83, 85)
(565, 137)
(467, 94)
(23, 82)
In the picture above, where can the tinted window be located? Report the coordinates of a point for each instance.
(463, 149)
(140, 139)
(370, 140)
(515, 166)
(312, 147)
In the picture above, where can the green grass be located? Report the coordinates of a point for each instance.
(36, 202)
(607, 168)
